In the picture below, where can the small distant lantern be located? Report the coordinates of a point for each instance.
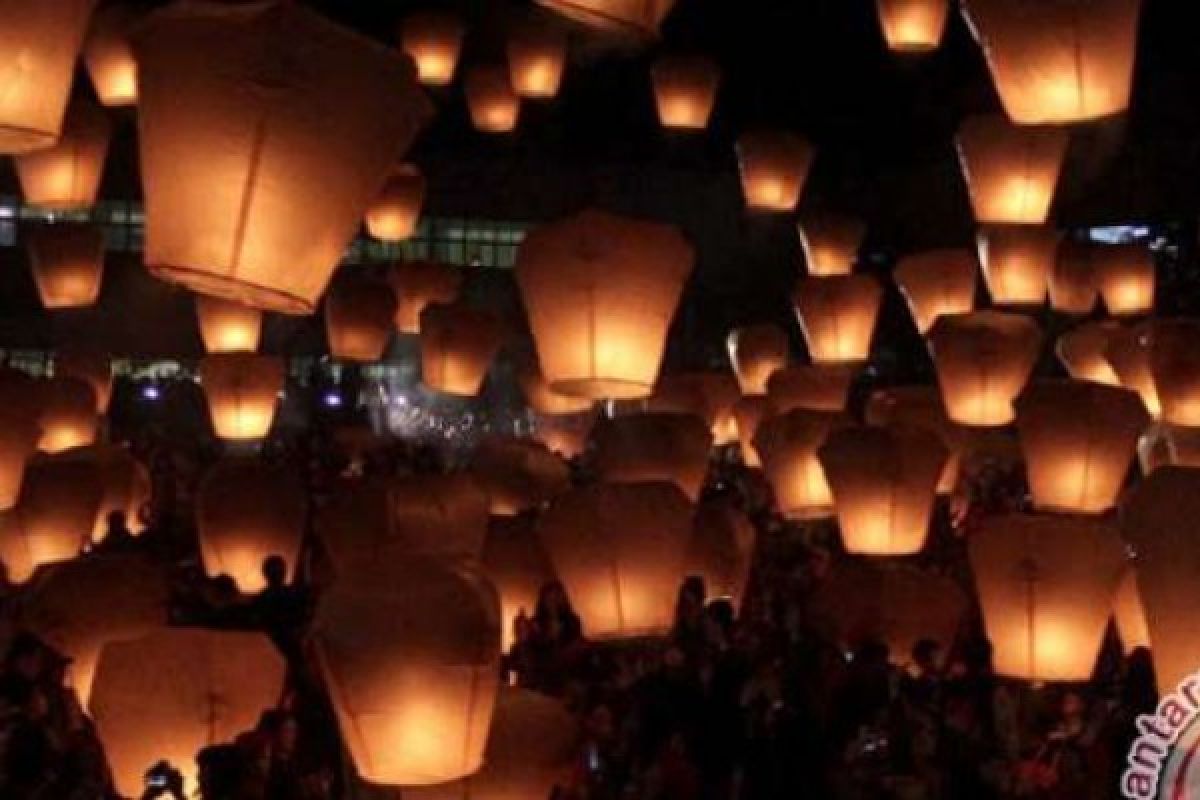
(685, 90)
(544, 400)
(91, 366)
(1011, 171)
(66, 175)
(1073, 280)
(837, 316)
(358, 319)
(748, 413)
(125, 482)
(57, 508)
(517, 474)
(756, 351)
(721, 549)
(1125, 278)
(68, 263)
(921, 407)
(774, 166)
(516, 563)
(708, 395)
(1082, 351)
(830, 242)
(395, 211)
(912, 26)
(491, 101)
(817, 387)
(937, 282)
(433, 41)
(654, 446)
(636, 17)
(226, 326)
(242, 390)
(1128, 351)
(1016, 261)
(458, 344)
(983, 360)
(537, 55)
(68, 415)
(418, 284)
(1129, 614)
(109, 55)
(787, 445)
(1175, 367)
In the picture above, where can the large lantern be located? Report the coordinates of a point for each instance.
(67, 414)
(721, 549)
(983, 360)
(1073, 281)
(1011, 171)
(748, 413)
(252, 192)
(1016, 261)
(774, 166)
(125, 482)
(109, 55)
(708, 395)
(57, 508)
(1128, 351)
(620, 552)
(168, 695)
(1175, 367)
(1046, 585)
(817, 387)
(515, 561)
(937, 282)
(830, 242)
(1058, 61)
(491, 101)
(1129, 614)
(458, 344)
(395, 211)
(1082, 351)
(242, 390)
(787, 445)
(544, 400)
(66, 175)
(837, 316)
(433, 41)
(654, 446)
(912, 26)
(413, 690)
(418, 284)
(1079, 440)
(358, 319)
(638, 17)
(68, 263)
(517, 474)
(755, 352)
(600, 291)
(921, 407)
(685, 90)
(226, 326)
(537, 55)
(38, 45)
(1125, 278)
(91, 366)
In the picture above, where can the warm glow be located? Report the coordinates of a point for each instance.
(721, 549)
(747, 414)
(395, 211)
(921, 407)
(242, 390)
(756, 351)
(1125, 278)
(358, 318)
(1016, 261)
(537, 55)
(458, 344)
(493, 104)
(1168, 445)
(68, 415)
(1128, 351)
(640, 18)
(433, 41)
(774, 166)
(685, 90)
(544, 400)
(417, 284)
(517, 474)
(937, 282)
(66, 176)
(1175, 366)
(654, 446)
(1082, 352)
(983, 360)
(57, 507)
(125, 483)
(226, 326)
(516, 563)
(67, 259)
(109, 56)
(708, 395)
(830, 242)
(19, 434)
(912, 26)
(819, 387)
(565, 434)
(1129, 614)
(837, 316)
(1073, 283)
(787, 444)
(92, 366)
(1011, 172)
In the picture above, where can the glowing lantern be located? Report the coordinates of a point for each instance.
(748, 413)
(393, 214)
(516, 563)
(1129, 614)
(820, 387)
(493, 104)
(68, 263)
(600, 291)
(413, 691)
(517, 474)
(125, 483)
(19, 434)
(708, 395)
(68, 415)
(837, 316)
(1058, 61)
(654, 446)
(1072, 284)
(830, 243)
(537, 55)
(66, 175)
(1175, 365)
(912, 26)
(418, 284)
(619, 550)
(242, 390)
(639, 17)
(1125, 278)
(565, 434)
(1078, 440)
(1045, 584)
(921, 407)
(251, 192)
(458, 344)
(1082, 351)
(721, 549)
(1016, 261)
(38, 46)
(544, 400)
(170, 694)
(774, 166)
(937, 282)
(787, 444)
(1162, 445)
(15, 559)
(90, 366)
(983, 360)
(755, 352)
(433, 41)
(685, 90)
(57, 507)
(1011, 171)
(226, 326)
(358, 319)
(1128, 352)
(109, 56)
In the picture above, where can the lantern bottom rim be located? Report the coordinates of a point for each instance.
(241, 291)
(15, 139)
(602, 388)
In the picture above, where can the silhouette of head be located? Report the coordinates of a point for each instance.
(274, 570)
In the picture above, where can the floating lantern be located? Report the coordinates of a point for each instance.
(15, 559)
(66, 175)
(90, 366)
(242, 390)
(1016, 261)
(537, 55)
(517, 474)
(1175, 367)
(685, 90)
(565, 434)
(1073, 280)
(830, 242)
(600, 291)
(67, 415)
(1125, 278)
(937, 282)
(708, 395)
(1128, 352)
(921, 407)
(640, 18)
(1082, 351)
(433, 41)
(774, 166)
(1162, 445)
(251, 193)
(68, 263)
(721, 549)
(654, 446)
(787, 444)
(1011, 172)
(748, 413)
(837, 316)
(544, 400)
(395, 211)
(912, 26)
(817, 387)
(517, 564)
(125, 483)
(755, 352)
(418, 284)
(109, 56)
(226, 326)
(358, 319)
(493, 104)
(57, 508)
(19, 435)
(983, 360)
(458, 344)
(1129, 614)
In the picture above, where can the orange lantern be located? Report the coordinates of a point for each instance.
(109, 56)
(830, 242)
(1073, 281)
(491, 100)
(1175, 366)
(418, 284)
(395, 211)
(1058, 61)
(1129, 614)
(620, 551)
(1128, 352)
(90, 366)
(937, 282)
(537, 55)
(68, 263)
(358, 319)
(748, 413)
(15, 559)
(68, 415)
(685, 90)
(983, 360)
(819, 387)
(242, 390)
(708, 395)
(787, 444)
(1016, 261)
(1046, 586)
(912, 26)
(125, 483)
(413, 691)
(433, 41)
(1011, 171)
(565, 434)
(600, 291)
(57, 508)
(517, 474)
(38, 45)
(654, 446)
(1125, 278)
(458, 344)
(19, 434)
(517, 564)
(1082, 351)
(641, 18)
(837, 316)
(1162, 445)
(921, 407)
(544, 400)
(721, 549)
(66, 175)
(755, 352)
(774, 166)
(226, 326)
(251, 193)
(1078, 440)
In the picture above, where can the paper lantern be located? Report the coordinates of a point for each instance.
(433, 41)
(1175, 367)
(721, 549)
(67, 415)
(57, 507)
(1128, 352)
(685, 90)
(516, 563)
(1079, 440)
(226, 326)
(242, 390)
(755, 352)
(787, 445)
(537, 55)
(418, 284)
(91, 366)
(1082, 351)
(817, 387)
(1045, 585)
(108, 55)
(837, 317)
(38, 46)
(565, 434)
(1059, 61)
(170, 694)
(983, 360)
(1011, 171)
(395, 211)
(15, 557)
(830, 242)
(358, 319)
(708, 395)
(517, 474)
(619, 550)
(493, 104)
(125, 483)
(413, 691)
(1168, 445)
(1125, 278)
(600, 291)
(257, 175)
(19, 435)
(458, 344)
(1016, 261)
(1073, 281)
(640, 18)
(774, 166)
(654, 446)
(912, 26)
(748, 413)
(1129, 614)
(66, 175)
(937, 282)
(544, 400)
(67, 259)
(921, 407)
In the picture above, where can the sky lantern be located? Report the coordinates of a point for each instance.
(1079, 440)
(444, 515)
(640, 18)
(1073, 281)
(1011, 171)
(1059, 61)
(620, 550)
(721, 549)
(394, 213)
(125, 483)
(66, 175)
(1129, 614)
(787, 445)
(227, 326)
(108, 55)
(517, 474)
(170, 694)
(358, 319)
(565, 434)
(57, 507)
(544, 400)
(1016, 261)
(937, 282)
(837, 316)
(67, 415)
(708, 395)
(755, 352)
(1082, 351)
(537, 56)
(830, 242)
(19, 435)
(1046, 585)
(983, 360)
(418, 284)
(1128, 351)
(493, 104)
(817, 387)
(600, 291)
(251, 193)
(413, 691)
(92, 366)
(921, 407)
(67, 259)
(1162, 444)
(774, 166)
(912, 26)
(1175, 366)
(458, 344)
(516, 563)
(1125, 278)
(432, 40)
(16, 562)
(685, 90)
(654, 446)
(39, 42)
(748, 413)
(242, 390)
